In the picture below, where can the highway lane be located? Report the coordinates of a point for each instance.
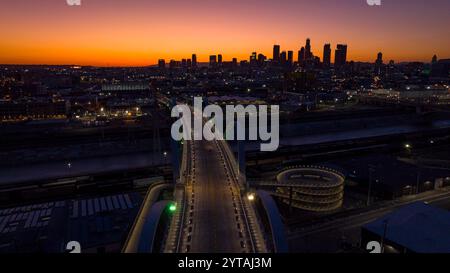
(213, 218)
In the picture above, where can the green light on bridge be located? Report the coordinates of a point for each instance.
(173, 207)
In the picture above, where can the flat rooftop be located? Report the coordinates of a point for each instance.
(79, 167)
(418, 227)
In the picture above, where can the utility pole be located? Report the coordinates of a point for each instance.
(371, 170)
(383, 239)
(418, 176)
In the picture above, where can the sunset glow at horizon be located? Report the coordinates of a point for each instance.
(139, 32)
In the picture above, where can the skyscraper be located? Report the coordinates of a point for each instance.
(172, 64)
(379, 60)
(276, 53)
(194, 60)
(219, 58)
(301, 56)
(283, 58)
(212, 60)
(261, 59)
(434, 59)
(290, 57)
(162, 63)
(308, 54)
(327, 55)
(379, 63)
(340, 57)
(253, 58)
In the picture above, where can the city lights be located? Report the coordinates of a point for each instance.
(173, 207)
(251, 197)
(226, 127)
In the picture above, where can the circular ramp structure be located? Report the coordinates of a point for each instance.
(311, 188)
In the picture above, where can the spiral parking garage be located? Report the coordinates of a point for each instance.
(311, 188)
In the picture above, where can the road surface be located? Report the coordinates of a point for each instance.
(214, 220)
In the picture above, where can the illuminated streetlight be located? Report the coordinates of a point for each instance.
(251, 197)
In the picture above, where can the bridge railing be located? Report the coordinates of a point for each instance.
(173, 240)
(172, 243)
(133, 240)
(232, 162)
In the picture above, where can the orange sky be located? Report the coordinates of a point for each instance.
(139, 32)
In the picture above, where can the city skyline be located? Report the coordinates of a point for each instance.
(138, 33)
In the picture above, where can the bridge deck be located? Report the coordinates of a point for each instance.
(214, 222)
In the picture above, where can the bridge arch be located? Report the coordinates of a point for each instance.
(276, 226)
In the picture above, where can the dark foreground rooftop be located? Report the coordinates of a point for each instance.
(418, 227)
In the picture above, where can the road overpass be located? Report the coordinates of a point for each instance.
(213, 211)
(216, 217)
(215, 220)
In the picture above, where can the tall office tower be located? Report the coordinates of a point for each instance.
(234, 62)
(253, 58)
(261, 58)
(162, 63)
(340, 57)
(219, 59)
(290, 57)
(172, 64)
(308, 54)
(276, 53)
(283, 58)
(379, 60)
(194, 60)
(379, 63)
(212, 60)
(189, 62)
(327, 55)
(301, 56)
(434, 60)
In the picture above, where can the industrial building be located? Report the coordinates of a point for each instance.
(414, 228)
